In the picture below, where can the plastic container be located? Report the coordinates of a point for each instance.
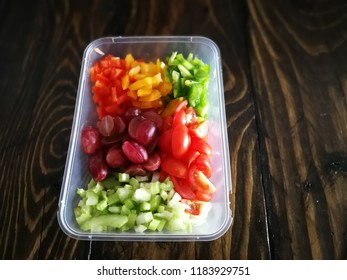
(76, 172)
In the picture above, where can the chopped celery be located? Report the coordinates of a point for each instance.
(142, 194)
(92, 198)
(136, 203)
(144, 217)
(123, 177)
(110, 220)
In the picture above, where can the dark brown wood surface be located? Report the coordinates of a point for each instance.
(285, 80)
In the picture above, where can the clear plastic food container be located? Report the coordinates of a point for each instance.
(76, 173)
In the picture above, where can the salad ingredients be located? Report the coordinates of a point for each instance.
(139, 203)
(152, 125)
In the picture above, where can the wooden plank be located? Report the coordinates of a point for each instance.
(299, 73)
(42, 71)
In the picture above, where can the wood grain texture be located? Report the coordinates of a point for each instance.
(299, 71)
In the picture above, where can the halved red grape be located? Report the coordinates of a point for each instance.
(116, 158)
(153, 162)
(134, 151)
(112, 139)
(97, 166)
(134, 124)
(146, 132)
(150, 147)
(90, 139)
(154, 116)
(135, 170)
(106, 126)
(119, 124)
(131, 113)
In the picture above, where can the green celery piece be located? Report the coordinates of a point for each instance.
(161, 208)
(81, 192)
(91, 184)
(144, 206)
(155, 187)
(114, 209)
(113, 198)
(153, 225)
(110, 182)
(142, 194)
(129, 203)
(166, 185)
(92, 198)
(97, 188)
(123, 177)
(144, 217)
(125, 210)
(163, 195)
(133, 182)
(102, 205)
(131, 220)
(155, 202)
(123, 193)
(140, 228)
(83, 218)
(161, 225)
(110, 220)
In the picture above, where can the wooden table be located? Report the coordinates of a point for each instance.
(285, 79)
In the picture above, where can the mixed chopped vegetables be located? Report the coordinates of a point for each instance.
(148, 154)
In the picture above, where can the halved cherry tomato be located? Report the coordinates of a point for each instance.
(182, 105)
(180, 140)
(201, 146)
(183, 189)
(191, 115)
(167, 124)
(194, 208)
(199, 130)
(174, 167)
(203, 196)
(199, 180)
(190, 156)
(203, 163)
(165, 141)
(179, 118)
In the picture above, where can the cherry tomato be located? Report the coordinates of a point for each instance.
(199, 180)
(174, 167)
(203, 196)
(191, 115)
(183, 189)
(165, 141)
(180, 140)
(179, 118)
(203, 163)
(194, 208)
(190, 156)
(182, 105)
(167, 124)
(199, 130)
(201, 146)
